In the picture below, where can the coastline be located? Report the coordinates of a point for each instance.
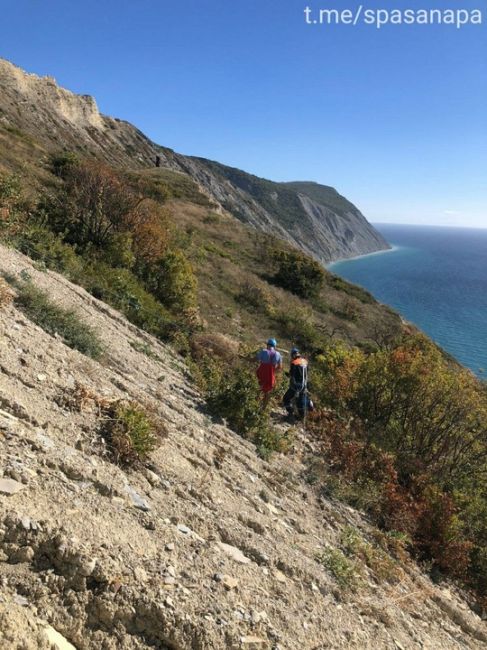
(393, 248)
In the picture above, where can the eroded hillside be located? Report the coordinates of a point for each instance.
(203, 546)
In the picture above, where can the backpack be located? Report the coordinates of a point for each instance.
(304, 403)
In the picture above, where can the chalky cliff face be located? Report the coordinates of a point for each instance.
(311, 216)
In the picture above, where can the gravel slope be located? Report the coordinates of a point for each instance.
(206, 547)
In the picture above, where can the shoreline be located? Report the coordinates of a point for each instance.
(392, 249)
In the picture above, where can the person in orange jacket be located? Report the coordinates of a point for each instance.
(297, 393)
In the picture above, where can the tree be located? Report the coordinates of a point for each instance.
(298, 273)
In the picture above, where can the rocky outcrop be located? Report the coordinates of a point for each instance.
(311, 216)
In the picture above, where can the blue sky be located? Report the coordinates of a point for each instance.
(394, 118)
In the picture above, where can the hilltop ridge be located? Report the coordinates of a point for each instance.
(311, 216)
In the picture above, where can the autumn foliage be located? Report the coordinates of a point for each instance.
(407, 441)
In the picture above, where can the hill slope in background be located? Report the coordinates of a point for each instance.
(205, 547)
(308, 215)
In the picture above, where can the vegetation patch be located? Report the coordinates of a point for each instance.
(144, 348)
(298, 273)
(406, 442)
(132, 432)
(382, 566)
(345, 571)
(56, 320)
(351, 289)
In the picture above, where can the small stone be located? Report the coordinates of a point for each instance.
(152, 477)
(169, 580)
(140, 574)
(9, 486)
(234, 552)
(169, 602)
(169, 547)
(272, 509)
(25, 523)
(184, 529)
(279, 576)
(41, 377)
(247, 640)
(257, 617)
(57, 640)
(20, 600)
(171, 571)
(229, 583)
(23, 554)
(87, 566)
(136, 499)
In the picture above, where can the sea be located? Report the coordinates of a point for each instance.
(435, 277)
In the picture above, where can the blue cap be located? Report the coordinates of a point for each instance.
(272, 343)
(294, 351)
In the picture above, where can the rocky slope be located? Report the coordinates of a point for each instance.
(309, 215)
(205, 547)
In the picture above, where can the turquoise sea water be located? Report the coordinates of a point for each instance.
(436, 278)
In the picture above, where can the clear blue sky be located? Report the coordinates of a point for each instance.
(395, 119)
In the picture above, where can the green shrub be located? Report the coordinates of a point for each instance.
(90, 206)
(380, 563)
(13, 206)
(121, 289)
(132, 432)
(212, 218)
(173, 281)
(235, 397)
(298, 273)
(42, 245)
(351, 289)
(66, 323)
(256, 297)
(345, 571)
(144, 348)
(299, 326)
(232, 392)
(409, 435)
(268, 440)
(61, 164)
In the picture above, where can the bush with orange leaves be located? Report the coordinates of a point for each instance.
(407, 441)
(94, 206)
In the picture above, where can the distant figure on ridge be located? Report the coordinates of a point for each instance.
(297, 393)
(158, 161)
(270, 363)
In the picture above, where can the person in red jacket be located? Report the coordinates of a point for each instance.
(270, 363)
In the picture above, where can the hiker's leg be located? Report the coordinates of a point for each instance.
(287, 400)
(301, 401)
